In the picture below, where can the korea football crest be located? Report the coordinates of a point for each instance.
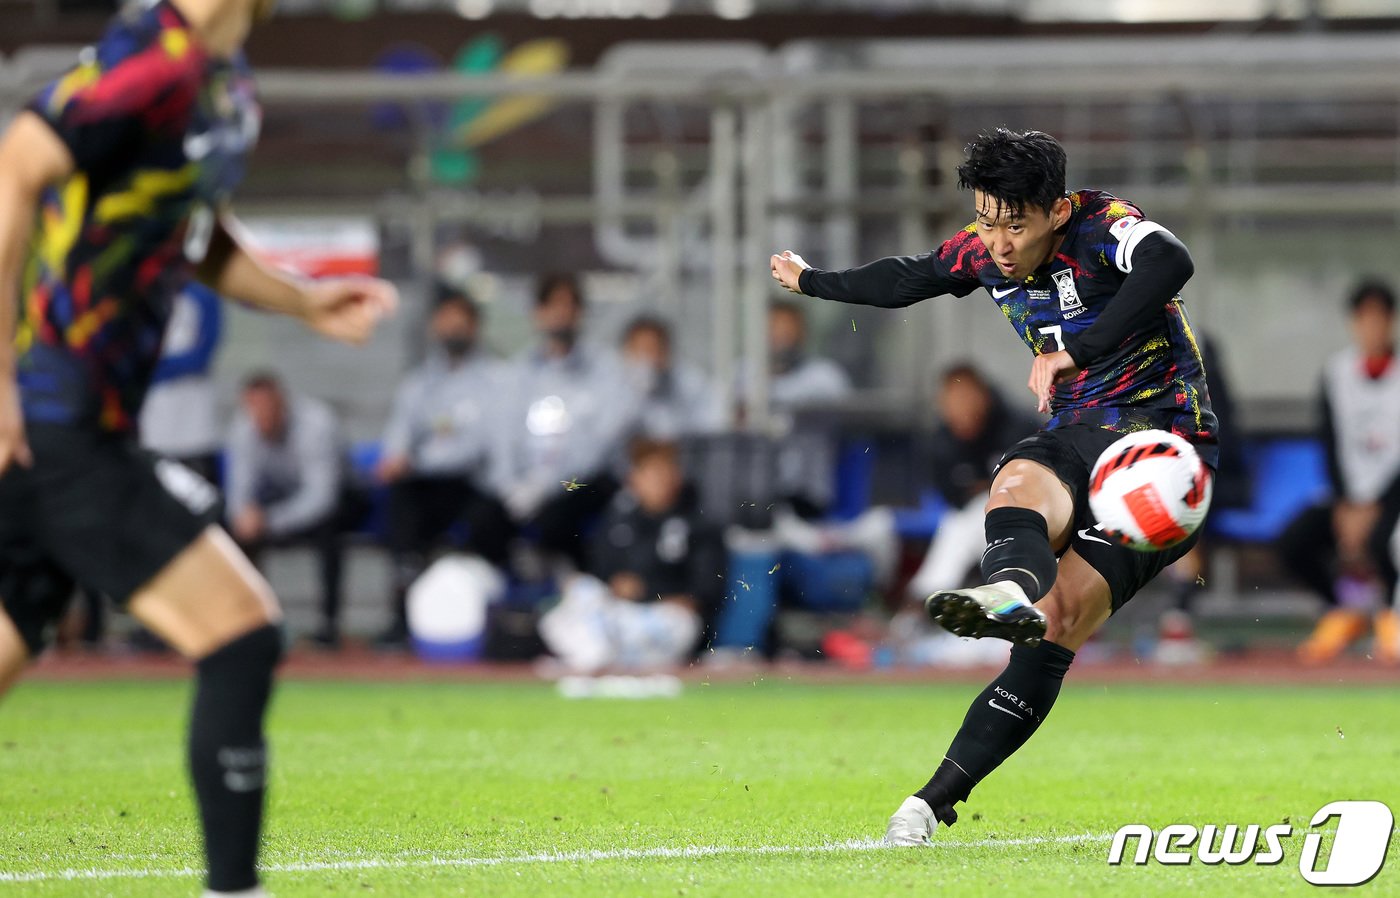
(1070, 303)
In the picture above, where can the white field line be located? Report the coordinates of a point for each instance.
(560, 857)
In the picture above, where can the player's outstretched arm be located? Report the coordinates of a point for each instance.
(31, 157)
(343, 309)
(889, 283)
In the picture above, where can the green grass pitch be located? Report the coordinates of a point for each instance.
(448, 789)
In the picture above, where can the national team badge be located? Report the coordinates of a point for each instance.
(1069, 296)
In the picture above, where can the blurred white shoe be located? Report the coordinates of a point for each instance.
(576, 629)
(912, 824)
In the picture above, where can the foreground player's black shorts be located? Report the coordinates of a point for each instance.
(1071, 452)
(94, 509)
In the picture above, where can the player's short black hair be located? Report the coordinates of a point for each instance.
(262, 379)
(644, 322)
(558, 281)
(1016, 168)
(1371, 290)
(448, 295)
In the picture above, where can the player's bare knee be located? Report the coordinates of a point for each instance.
(1016, 493)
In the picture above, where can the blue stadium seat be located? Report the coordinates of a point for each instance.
(855, 476)
(921, 522)
(1288, 475)
(855, 472)
(363, 456)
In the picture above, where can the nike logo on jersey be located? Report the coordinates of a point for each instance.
(1088, 533)
(993, 703)
(232, 137)
(1002, 294)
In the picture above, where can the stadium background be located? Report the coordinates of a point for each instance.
(663, 150)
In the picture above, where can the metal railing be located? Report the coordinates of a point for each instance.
(1240, 125)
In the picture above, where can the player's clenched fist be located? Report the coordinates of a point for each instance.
(787, 269)
(348, 309)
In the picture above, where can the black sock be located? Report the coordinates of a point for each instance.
(1183, 594)
(228, 759)
(1018, 549)
(1000, 721)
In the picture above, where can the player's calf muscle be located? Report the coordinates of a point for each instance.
(13, 654)
(1077, 606)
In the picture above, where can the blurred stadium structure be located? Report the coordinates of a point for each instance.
(668, 170)
(663, 148)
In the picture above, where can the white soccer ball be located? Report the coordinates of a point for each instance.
(1149, 490)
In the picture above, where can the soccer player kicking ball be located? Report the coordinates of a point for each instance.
(1091, 286)
(113, 191)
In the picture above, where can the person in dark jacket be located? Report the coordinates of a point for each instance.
(655, 570)
(975, 427)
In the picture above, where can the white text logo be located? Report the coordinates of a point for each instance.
(1358, 852)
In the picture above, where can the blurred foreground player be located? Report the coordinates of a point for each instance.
(1091, 285)
(120, 172)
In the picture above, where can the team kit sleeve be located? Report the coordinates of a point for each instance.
(898, 281)
(103, 114)
(1155, 266)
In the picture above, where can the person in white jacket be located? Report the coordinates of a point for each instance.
(285, 467)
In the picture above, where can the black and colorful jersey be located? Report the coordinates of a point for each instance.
(159, 131)
(1153, 379)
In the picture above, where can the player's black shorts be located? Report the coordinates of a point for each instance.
(1071, 452)
(94, 509)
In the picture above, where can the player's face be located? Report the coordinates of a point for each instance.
(452, 322)
(656, 482)
(1373, 328)
(560, 314)
(964, 407)
(786, 331)
(1020, 242)
(267, 411)
(646, 347)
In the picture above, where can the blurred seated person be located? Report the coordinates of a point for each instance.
(1387, 646)
(1340, 549)
(975, 427)
(798, 380)
(677, 399)
(285, 461)
(436, 448)
(566, 408)
(655, 572)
